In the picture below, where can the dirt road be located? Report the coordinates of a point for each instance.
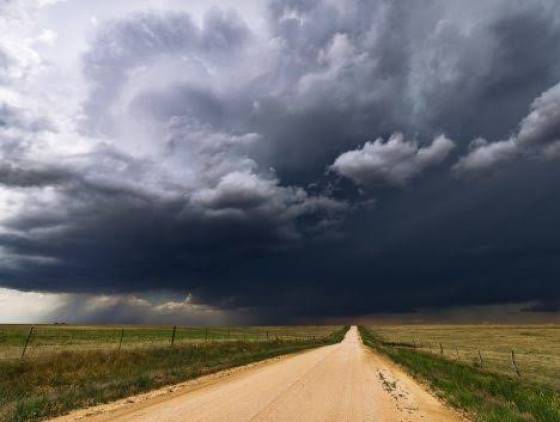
(342, 382)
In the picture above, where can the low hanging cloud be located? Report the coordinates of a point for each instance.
(394, 162)
(538, 136)
(153, 308)
(540, 130)
(485, 155)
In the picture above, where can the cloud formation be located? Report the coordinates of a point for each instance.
(180, 147)
(30, 307)
(394, 162)
(140, 167)
(538, 135)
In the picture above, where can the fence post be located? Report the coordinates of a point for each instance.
(480, 357)
(457, 351)
(121, 340)
(514, 364)
(27, 341)
(441, 349)
(267, 336)
(205, 334)
(173, 335)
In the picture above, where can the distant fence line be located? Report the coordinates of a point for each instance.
(473, 355)
(19, 343)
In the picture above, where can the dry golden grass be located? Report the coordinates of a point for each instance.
(51, 384)
(484, 395)
(47, 339)
(537, 347)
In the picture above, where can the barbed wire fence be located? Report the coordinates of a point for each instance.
(37, 340)
(476, 356)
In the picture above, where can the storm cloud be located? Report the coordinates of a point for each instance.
(393, 162)
(282, 160)
(538, 136)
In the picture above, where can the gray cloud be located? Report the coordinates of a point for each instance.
(542, 126)
(123, 47)
(538, 135)
(11, 175)
(485, 155)
(394, 162)
(151, 308)
(189, 154)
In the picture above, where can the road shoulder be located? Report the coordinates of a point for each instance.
(108, 411)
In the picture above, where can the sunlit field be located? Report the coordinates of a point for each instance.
(70, 367)
(45, 339)
(536, 347)
(484, 390)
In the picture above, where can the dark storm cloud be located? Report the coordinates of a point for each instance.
(11, 175)
(538, 135)
(234, 162)
(106, 234)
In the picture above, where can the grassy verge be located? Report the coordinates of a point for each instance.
(53, 385)
(46, 339)
(484, 395)
(537, 347)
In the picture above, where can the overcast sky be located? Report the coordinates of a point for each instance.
(273, 161)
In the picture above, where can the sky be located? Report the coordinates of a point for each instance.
(213, 162)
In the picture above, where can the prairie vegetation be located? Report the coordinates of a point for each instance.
(488, 392)
(49, 384)
(46, 339)
(536, 347)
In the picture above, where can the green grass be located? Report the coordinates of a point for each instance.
(537, 347)
(487, 396)
(46, 339)
(53, 384)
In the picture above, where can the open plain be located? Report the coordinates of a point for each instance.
(340, 382)
(536, 347)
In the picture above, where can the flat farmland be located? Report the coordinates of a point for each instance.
(67, 367)
(536, 347)
(46, 339)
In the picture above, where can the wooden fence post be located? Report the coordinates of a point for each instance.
(267, 336)
(121, 339)
(205, 334)
(205, 354)
(441, 349)
(27, 341)
(480, 357)
(457, 351)
(514, 364)
(173, 335)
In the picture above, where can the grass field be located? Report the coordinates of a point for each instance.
(491, 392)
(45, 339)
(536, 347)
(48, 384)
